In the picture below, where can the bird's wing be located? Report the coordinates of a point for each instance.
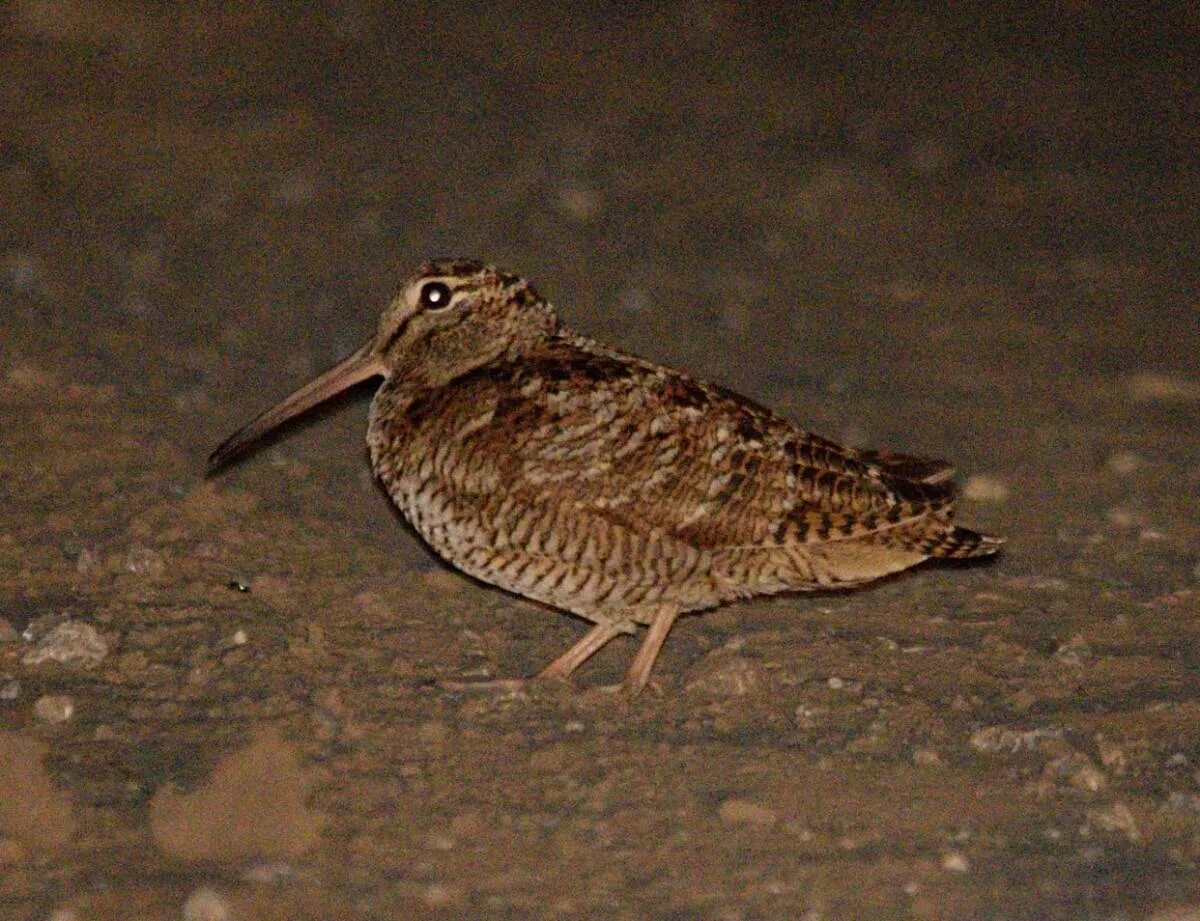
(655, 451)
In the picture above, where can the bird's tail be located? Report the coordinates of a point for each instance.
(961, 543)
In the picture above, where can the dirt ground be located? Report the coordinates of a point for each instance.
(973, 238)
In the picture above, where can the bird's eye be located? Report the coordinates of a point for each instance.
(435, 295)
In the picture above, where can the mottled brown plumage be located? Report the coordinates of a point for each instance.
(617, 489)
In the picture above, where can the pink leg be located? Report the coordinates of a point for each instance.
(639, 669)
(561, 668)
(589, 644)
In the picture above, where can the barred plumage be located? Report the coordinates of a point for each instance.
(617, 489)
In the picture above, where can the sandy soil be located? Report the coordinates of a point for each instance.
(973, 239)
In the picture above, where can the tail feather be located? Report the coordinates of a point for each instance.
(962, 543)
(909, 466)
(934, 538)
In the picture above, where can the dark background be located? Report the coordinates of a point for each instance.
(968, 234)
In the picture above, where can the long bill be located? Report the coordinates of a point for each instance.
(364, 363)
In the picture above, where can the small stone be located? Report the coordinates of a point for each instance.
(955, 862)
(10, 690)
(985, 488)
(54, 708)
(1112, 756)
(72, 642)
(1078, 770)
(1187, 803)
(239, 638)
(1177, 913)
(296, 187)
(270, 871)
(1162, 388)
(725, 674)
(736, 811)
(444, 581)
(11, 851)
(1116, 817)
(578, 201)
(1004, 740)
(31, 377)
(439, 895)
(23, 271)
(1121, 517)
(1075, 652)
(206, 904)
(145, 561)
(1038, 583)
(88, 562)
(835, 683)
(440, 842)
(927, 757)
(1124, 463)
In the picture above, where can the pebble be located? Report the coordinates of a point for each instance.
(11, 851)
(88, 562)
(11, 690)
(1124, 463)
(1183, 802)
(1177, 913)
(1038, 583)
(985, 488)
(736, 811)
(1112, 756)
(725, 674)
(1116, 817)
(206, 904)
(71, 642)
(444, 581)
(145, 561)
(1150, 387)
(1002, 739)
(54, 708)
(955, 862)
(439, 895)
(927, 757)
(1074, 652)
(271, 871)
(1121, 517)
(578, 201)
(1078, 770)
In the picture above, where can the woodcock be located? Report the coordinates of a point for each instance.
(627, 493)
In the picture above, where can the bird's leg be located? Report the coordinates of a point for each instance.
(562, 667)
(589, 644)
(639, 668)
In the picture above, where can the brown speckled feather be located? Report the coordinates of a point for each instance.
(623, 491)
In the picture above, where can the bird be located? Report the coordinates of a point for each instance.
(605, 485)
